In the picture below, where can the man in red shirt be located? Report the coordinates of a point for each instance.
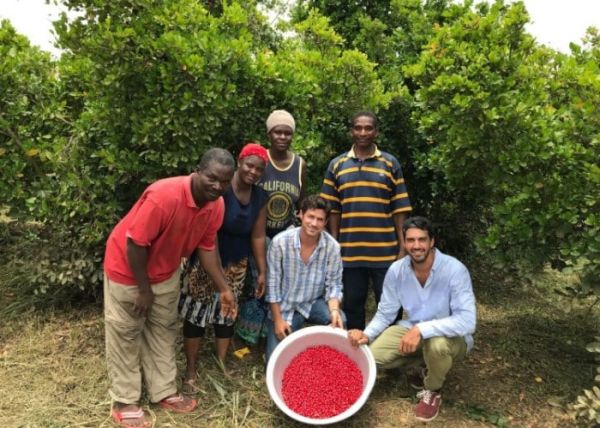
(172, 218)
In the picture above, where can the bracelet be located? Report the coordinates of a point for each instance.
(334, 309)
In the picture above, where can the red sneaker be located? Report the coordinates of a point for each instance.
(429, 406)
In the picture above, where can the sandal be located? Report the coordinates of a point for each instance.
(121, 417)
(178, 403)
(190, 387)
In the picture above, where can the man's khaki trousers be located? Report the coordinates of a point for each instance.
(439, 353)
(137, 344)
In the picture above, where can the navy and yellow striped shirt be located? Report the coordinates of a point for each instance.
(367, 193)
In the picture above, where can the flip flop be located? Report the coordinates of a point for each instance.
(120, 417)
(178, 403)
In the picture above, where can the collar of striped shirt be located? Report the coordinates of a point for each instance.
(376, 153)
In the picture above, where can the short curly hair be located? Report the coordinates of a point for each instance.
(218, 155)
(418, 222)
(315, 202)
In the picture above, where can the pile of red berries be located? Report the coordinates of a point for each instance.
(321, 382)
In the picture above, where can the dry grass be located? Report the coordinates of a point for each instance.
(528, 350)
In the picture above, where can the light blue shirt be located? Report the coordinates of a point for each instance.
(445, 306)
(296, 285)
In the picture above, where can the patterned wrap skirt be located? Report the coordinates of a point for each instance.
(199, 300)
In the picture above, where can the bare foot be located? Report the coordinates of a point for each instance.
(189, 386)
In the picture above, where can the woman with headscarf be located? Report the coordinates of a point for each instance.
(283, 180)
(242, 234)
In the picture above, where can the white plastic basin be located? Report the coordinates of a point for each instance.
(305, 338)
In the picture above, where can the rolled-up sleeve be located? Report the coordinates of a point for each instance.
(333, 274)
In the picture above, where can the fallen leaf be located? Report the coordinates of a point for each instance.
(555, 401)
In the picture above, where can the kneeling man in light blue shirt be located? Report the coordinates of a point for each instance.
(439, 305)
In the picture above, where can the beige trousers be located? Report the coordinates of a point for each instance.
(439, 353)
(137, 344)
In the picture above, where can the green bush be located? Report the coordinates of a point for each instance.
(149, 86)
(498, 136)
(505, 135)
(31, 121)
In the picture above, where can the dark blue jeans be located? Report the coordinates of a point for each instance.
(356, 288)
(319, 315)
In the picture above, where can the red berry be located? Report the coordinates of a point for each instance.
(321, 382)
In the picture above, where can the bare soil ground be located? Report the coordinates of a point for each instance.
(530, 352)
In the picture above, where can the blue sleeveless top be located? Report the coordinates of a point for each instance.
(235, 233)
(283, 187)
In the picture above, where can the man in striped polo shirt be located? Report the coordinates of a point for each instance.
(366, 190)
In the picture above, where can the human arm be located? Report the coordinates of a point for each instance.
(210, 261)
(259, 250)
(462, 318)
(302, 181)
(357, 338)
(137, 257)
(334, 313)
(274, 284)
(330, 193)
(282, 328)
(399, 204)
(333, 224)
(398, 222)
(410, 341)
(148, 223)
(333, 280)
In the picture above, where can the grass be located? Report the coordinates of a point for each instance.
(529, 353)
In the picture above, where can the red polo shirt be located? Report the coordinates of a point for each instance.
(167, 221)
